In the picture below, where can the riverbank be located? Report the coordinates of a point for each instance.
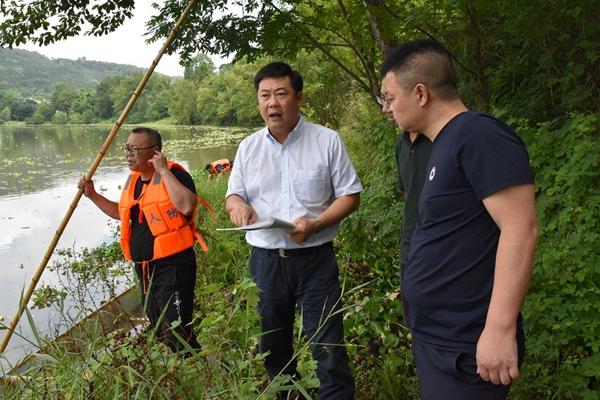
(562, 347)
(227, 326)
(39, 170)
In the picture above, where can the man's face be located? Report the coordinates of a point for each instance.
(386, 99)
(279, 104)
(139, 149)
(401, 105)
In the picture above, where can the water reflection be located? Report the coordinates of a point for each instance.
(39, 169)
(34, 159)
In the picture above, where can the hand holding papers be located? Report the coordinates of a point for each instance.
(269, 223)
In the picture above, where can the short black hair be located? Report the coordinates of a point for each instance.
(423, 61)
(154, 135)
(279, 69)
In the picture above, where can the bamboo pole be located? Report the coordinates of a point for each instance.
(89, 174)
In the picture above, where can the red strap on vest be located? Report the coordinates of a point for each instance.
(207, 206)
(197, 235)
(145, 275)
(201, 241)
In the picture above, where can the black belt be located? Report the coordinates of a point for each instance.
(296, 252)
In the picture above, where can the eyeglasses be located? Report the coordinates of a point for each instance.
(384, 101)
(135, 150)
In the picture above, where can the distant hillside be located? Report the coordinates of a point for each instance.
(34, 74)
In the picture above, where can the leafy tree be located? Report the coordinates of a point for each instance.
(326, 93)
(155, 97)
(35, 119)
(103, 101)
(206, 104)
(63, 97)
(75, 118)
(199, 67)
(60, 117)
(235, 97)
(43, 113)
(8, 98)
(87, 117)
(44, 22)
(5, 114)
(155, 88)
(182, 103)
(158, 106)
(23, 109)
(228, 97)
(83, 102)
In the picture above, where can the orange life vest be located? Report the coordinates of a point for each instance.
(219, 166)
(172, 231)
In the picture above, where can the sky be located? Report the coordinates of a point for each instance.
(124, 46)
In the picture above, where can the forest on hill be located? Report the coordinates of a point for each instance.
(205, 95)
(35, 75)
(531, 64)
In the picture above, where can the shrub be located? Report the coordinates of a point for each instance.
(60, 118)
(562, 308)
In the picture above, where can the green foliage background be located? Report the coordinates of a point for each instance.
(532, 64)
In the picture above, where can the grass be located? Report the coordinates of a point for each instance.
(119, 365)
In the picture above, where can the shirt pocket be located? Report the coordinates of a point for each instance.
(309, 186)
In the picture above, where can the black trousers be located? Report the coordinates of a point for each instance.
(309, 278)
(170, 298)
(452, 375)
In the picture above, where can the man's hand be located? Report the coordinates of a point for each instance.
(497, 359)
(242, 214)
(109, 207)
(88, 187)
(159, 162)
(304, 228)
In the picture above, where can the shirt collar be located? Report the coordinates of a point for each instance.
(295, 132)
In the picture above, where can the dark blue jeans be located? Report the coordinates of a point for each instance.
(309, 278)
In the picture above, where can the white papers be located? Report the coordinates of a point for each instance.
(269, 223)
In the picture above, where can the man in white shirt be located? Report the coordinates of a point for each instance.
(300, 172)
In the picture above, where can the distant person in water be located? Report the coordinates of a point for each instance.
(157, 233)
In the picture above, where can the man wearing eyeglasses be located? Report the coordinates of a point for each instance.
(412, 155)
(157, 232)
(297, 171)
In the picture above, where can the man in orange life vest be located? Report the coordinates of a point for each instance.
(160, 238)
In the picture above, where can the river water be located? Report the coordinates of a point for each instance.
(39, 170)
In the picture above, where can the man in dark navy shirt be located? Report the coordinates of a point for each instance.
(472, 251)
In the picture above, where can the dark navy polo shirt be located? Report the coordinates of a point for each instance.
(449, 277)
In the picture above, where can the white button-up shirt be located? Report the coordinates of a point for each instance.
(297, 179)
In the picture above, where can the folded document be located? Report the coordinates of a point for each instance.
(269, 223)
